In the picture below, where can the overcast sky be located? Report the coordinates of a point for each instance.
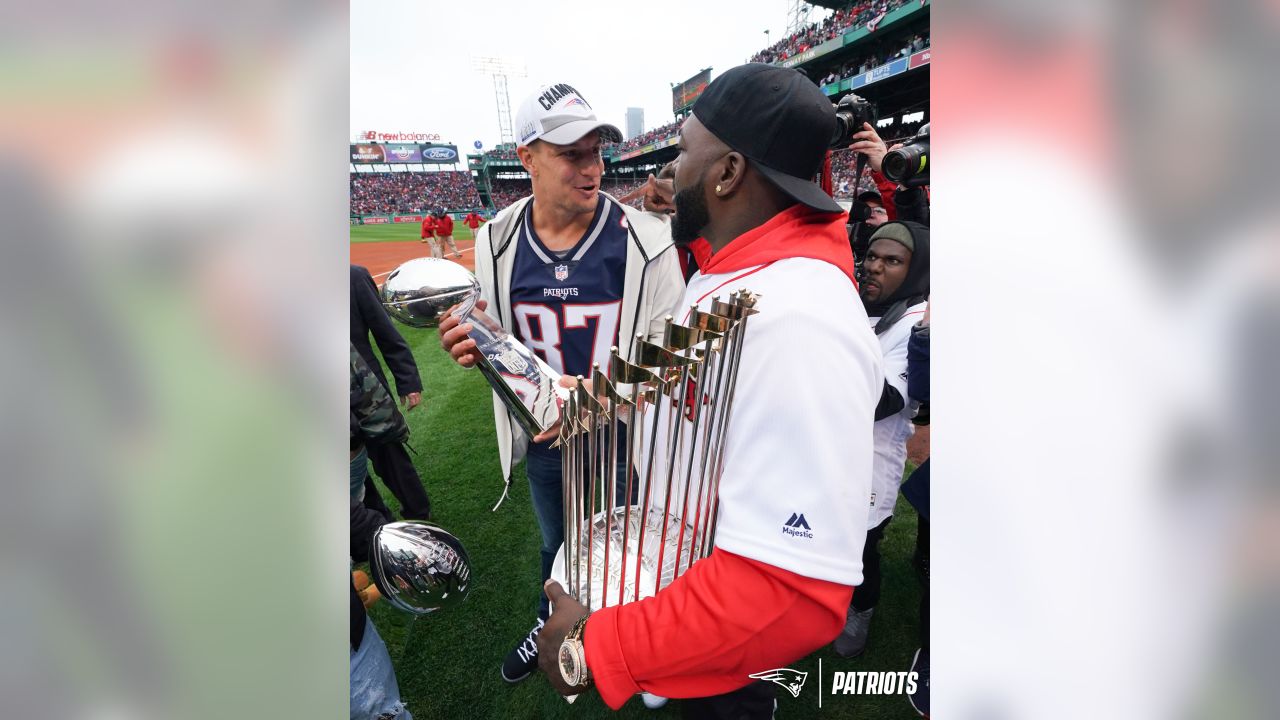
(411, 68)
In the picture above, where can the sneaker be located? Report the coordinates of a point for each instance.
(651, 701)
(920, 698)
(853, 639)
(523, 659)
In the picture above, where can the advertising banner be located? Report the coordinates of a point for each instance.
(879, 73)
(439, 154)
(375, 220)
(398, 153)
(404, 153)
(919, 59)
(407, 219)
(367, 154)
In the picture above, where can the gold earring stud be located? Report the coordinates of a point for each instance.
(717, 188)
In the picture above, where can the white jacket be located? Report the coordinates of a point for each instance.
(893, 432)
(652, 287)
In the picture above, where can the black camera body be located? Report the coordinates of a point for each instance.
(851, 112)
(909, 165)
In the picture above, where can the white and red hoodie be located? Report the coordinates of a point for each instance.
(799, 446)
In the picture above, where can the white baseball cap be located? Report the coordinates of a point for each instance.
(559, 115)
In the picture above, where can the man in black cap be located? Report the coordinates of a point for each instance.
(788, 538)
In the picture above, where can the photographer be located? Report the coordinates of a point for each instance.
(876, 212)
(908, 203)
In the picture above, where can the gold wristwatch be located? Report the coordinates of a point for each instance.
(573, 656)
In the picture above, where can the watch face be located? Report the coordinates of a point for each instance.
(568, 664)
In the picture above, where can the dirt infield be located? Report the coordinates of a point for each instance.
(383, 257)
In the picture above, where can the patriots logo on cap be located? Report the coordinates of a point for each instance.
(577, 101)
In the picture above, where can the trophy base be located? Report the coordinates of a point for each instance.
(624, 584)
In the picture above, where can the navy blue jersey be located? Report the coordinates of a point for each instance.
(567, 309)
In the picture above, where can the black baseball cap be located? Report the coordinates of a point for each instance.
(777, 118)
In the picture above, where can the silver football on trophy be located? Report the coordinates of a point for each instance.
(419, 567)
(421, 291)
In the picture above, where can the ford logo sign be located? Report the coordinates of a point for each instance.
(440, 153)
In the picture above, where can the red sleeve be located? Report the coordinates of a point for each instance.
(703, 635)
(886, 188)
(424, 229)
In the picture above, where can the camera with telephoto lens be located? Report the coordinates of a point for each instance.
(909, 165)
(851, 112)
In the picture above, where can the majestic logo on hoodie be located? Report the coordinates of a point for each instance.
(797, 526)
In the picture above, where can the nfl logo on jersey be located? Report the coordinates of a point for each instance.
(562, 272)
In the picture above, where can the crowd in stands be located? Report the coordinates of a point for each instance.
(411, 192)
(653, 135)
(886, 52)
(621, 187)
(501, 153)
(504, 192)
(841, 21)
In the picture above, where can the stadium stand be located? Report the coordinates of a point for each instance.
(841, 21)
(658, 133)
(501, 153)
(411, 192)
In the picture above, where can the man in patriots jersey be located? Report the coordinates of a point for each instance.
(571, 272)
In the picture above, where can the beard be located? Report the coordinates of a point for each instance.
(691, 215)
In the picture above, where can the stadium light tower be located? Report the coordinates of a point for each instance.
(797, 16)
(500, 69)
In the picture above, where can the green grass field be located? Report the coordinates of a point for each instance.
(402, 231)
(447, 662)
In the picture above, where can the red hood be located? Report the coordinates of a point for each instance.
(798, 231)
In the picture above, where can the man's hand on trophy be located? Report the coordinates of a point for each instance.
(566, 381)
(565, 613)
(454, 339)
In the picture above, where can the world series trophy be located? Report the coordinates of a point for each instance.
(421, 292)
(669, 428)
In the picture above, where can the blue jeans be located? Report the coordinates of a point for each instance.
(546, 491)
(374, 692)
(359, 470)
